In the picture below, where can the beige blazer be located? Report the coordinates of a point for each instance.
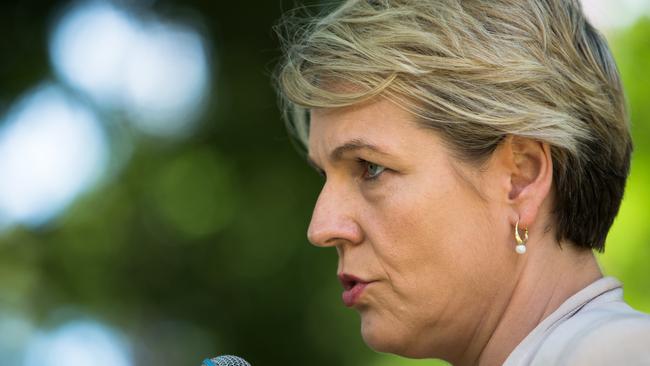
(593, 327)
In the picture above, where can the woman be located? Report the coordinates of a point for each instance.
(475, 155)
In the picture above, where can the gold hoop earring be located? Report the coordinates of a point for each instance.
(521, 243)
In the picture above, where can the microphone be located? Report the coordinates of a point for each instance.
(225, 360)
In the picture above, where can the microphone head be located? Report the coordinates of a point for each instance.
(226, 360)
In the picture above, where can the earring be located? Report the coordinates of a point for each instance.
(521, 243)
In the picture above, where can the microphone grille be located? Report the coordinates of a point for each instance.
(226, 360)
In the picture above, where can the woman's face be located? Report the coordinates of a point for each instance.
(428, 237)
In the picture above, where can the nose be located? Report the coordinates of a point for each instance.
(333, 220)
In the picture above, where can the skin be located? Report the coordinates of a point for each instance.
(436, 236)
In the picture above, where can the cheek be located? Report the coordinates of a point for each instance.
(431, 233)
(417, 217)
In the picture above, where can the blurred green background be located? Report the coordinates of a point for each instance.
(185, 238)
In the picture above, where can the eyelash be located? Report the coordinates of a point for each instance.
(364, 164)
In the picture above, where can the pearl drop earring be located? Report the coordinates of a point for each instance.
(521, 243)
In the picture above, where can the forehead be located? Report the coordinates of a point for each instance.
(379, 121)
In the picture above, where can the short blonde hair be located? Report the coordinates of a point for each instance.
(476, 71)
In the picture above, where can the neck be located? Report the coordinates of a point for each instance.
(546, 276)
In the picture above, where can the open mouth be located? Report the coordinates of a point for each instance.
(353, 287)
(349, 281)
(349, 284)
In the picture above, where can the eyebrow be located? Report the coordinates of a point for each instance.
(352, 145)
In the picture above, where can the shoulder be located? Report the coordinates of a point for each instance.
(611, 333)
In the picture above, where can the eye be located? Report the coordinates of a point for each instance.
(372, 170)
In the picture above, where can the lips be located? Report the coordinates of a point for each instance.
(353, 288)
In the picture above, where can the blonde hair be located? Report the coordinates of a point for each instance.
(476, 71)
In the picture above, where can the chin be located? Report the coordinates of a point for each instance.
(392, 337)
(383, 337)
(379, 342)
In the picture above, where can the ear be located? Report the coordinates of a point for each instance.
(529, 165)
